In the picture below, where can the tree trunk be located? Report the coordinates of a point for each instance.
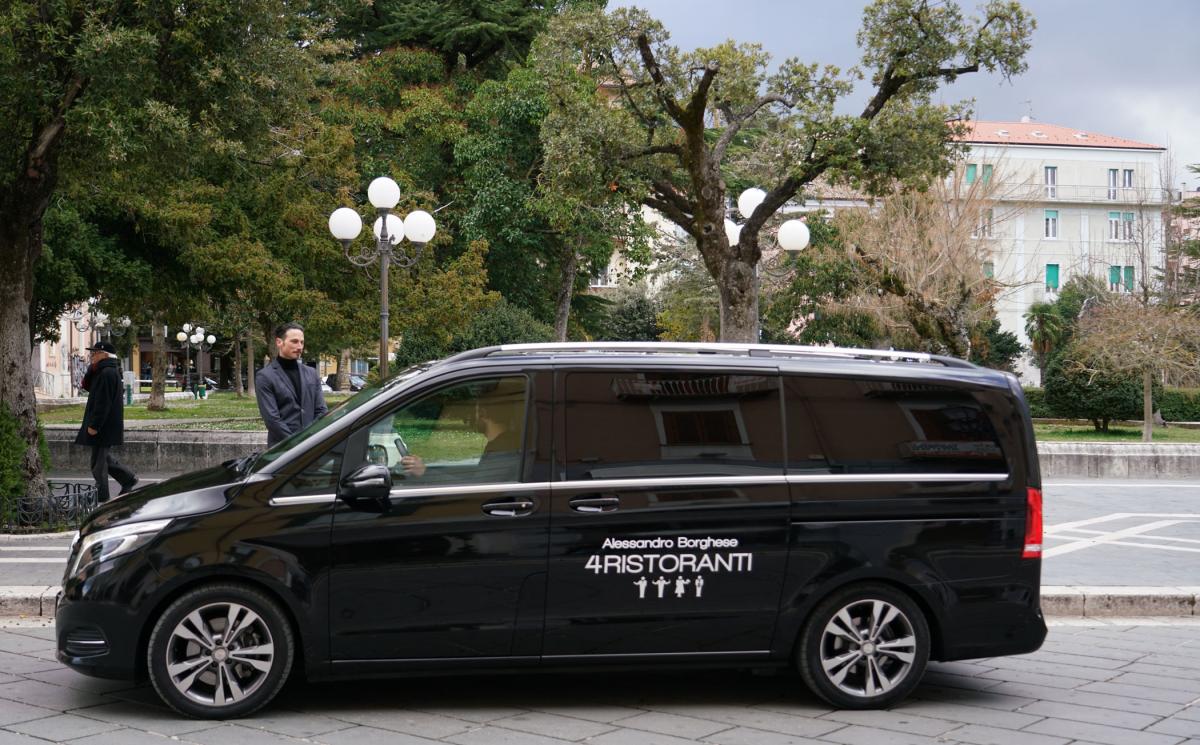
(238, 389)
(566, 288)
(1147, 407)
(250, 365)
(738, 286)
(158, 369)
(20, 245)
(343, 376)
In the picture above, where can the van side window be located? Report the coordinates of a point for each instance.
(320, 476)
(467, 433)
(889, 426)
(634, 424)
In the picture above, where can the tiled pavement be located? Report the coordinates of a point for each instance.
(1137, 683)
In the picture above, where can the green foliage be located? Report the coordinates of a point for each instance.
(500, 323)
(632, 316)
(1036, 398)
(994, 348)
(690, 309)
(1101, 397)
(1179, 404)
(12, 449)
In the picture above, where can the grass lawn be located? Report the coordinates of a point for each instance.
(218, 405)
(1081, 433)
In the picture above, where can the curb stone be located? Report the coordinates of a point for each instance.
(1057, 601)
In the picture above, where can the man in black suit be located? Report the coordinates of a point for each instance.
(289, 392)
(104, 419)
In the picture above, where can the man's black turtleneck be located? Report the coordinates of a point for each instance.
(292, 368)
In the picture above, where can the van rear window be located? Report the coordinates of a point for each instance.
(837, 425)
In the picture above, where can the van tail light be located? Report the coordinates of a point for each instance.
(1033, 524)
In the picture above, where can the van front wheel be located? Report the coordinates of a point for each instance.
(220, 652)
(864, 647)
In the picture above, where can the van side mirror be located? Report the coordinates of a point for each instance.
(371, 481)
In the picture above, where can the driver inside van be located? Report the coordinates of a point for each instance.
(498, 418)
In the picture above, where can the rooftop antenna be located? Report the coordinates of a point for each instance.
(1029, 109)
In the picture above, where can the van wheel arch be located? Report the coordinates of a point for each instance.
(299, 667)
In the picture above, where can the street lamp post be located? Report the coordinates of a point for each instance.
(194, 336)
(793, 235)
(419, 227)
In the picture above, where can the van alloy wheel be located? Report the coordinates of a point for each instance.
(864, 647)
(220, 654)
(868, 648)
(220, 651)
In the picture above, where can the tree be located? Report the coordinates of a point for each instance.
(113, 93)
(1073, 391)
(632, 316)
(1045, 328)
(669, 119)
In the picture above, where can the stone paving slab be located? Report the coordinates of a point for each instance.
(1103, 681)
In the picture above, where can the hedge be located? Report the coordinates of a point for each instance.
(1036, 397)
(1176, 404)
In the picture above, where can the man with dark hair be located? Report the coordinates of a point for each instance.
(289, 392)
(104, 419)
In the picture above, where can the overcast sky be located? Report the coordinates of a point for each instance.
(1115, 67)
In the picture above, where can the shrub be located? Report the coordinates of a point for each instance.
(12, 447)
(633, 316)
(1036, 397)
(1179, 404)
(1101, 397)
(501, 324)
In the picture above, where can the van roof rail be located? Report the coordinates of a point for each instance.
(714, 348)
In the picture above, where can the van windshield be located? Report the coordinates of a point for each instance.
(354, 402)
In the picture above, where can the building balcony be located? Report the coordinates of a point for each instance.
(1084, 194)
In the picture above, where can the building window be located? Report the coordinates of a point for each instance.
(1127, 226)
(1112, 183)
(603, 278)
(983, 227)
(1114, 226)
(1120, 278)
(989, 269)
(1051, 224)
(971, 168)
(987, 172)
(1127, 180)
(1051, 182)
(1114, 278)
(1052, 278)
(1128, 279)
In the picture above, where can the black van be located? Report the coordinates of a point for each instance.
(853, 513)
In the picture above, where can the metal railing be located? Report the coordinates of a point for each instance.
(1079, 193)
(65, 508)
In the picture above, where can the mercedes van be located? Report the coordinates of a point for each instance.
(552, 507)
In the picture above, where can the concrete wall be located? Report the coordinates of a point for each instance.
(169, 452)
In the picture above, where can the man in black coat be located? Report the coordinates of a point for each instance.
(104, 419)
(289, 392)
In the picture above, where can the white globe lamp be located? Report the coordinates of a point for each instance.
(419, 226)
(384, 193)
(793, 236)
(749, 201)
(345, 224)
(395, 228)
(733, 231)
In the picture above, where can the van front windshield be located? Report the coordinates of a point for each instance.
(354, 402)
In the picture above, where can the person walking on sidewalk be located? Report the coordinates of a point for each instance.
(104, 419)
(289, 392)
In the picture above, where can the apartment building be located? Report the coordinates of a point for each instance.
(1063, 202)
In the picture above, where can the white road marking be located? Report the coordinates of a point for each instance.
(1079, 537)
(1154, 485)
(47, 560)
(35, 548)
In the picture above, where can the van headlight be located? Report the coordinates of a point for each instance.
(105, 544)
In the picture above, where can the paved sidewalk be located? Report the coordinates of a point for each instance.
(1091, 683)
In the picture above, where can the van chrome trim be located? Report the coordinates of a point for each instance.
(682, 481)
(306, 499)
(816, 478)
(639, 655)
(715, 348)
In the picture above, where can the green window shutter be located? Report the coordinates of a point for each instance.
(1052, 276)
(1128, 217)
(989, 269)
(971, 173)
(1051, 214)
(1129, 279)
(1114, 215)
(987, 173)
(1114, 276)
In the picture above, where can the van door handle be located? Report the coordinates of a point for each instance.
(509, 507)
(595, 504)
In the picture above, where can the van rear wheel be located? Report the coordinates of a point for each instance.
(220, 652)
(864, 647)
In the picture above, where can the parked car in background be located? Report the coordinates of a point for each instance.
(357, 382)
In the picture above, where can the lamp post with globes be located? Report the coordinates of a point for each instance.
(793, 234)
(419, 227)
(194, 336)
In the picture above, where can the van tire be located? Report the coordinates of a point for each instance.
(849, 662)
(199, 672)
